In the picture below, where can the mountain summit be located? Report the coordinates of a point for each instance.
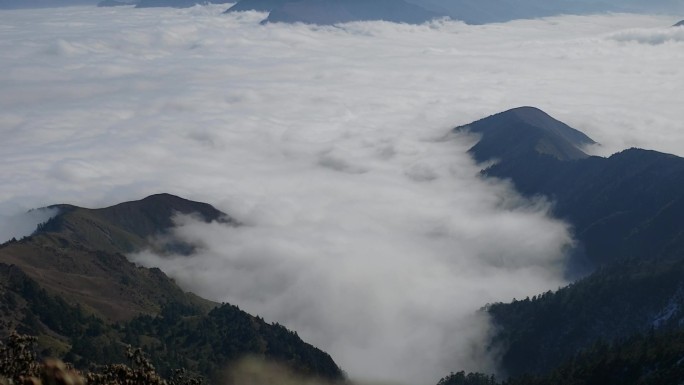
(127, 226)
(625, 211)
(525, 131)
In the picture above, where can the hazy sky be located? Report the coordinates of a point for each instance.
(366, 229)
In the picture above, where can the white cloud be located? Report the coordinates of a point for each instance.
(367, 228)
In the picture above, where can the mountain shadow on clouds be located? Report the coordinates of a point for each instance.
(621, 207)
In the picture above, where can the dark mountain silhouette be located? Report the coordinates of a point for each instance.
(115, 3)
(176, 3)
(71, 285)
(624, 206)
(326, 12)
(524, 131)
(652, 358)
(256, 5)
(19, 4)
(79, 255)
(127, 226)
(614, 303)
(680, 24)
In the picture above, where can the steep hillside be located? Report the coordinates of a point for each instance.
(128, 226)
(651, 358)
(469, 11)
(115, 3)
(624, 206)
(256, 5)
(71, 285)
(496, 11)
(327, 12)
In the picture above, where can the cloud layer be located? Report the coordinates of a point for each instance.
(367, 228)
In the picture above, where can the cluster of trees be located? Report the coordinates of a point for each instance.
(461, 378)
(616, 302)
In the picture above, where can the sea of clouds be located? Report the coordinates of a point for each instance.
(366, 226)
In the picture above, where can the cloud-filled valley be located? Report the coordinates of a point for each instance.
(366, 226)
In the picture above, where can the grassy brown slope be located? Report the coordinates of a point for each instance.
(78, 255)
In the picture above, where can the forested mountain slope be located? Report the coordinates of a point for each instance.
(625, 206)
(71, 285)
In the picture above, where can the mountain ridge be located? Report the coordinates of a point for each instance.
(625, 211)
(513, 133)
(329, 12)
(488, 11)
(71, 285)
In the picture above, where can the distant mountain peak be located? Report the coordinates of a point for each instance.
(680, 24)
(256, 5)
(524, 132)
